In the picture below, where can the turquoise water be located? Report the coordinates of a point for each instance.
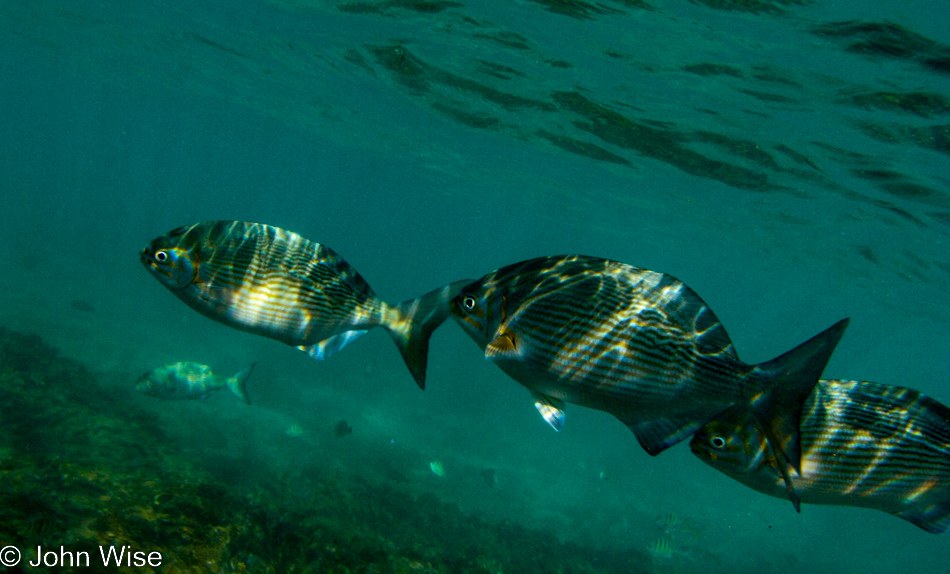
(787, 160)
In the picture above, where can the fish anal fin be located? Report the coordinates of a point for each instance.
(935, 519)
(503, 345)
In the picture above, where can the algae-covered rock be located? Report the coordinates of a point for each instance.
(88, 471)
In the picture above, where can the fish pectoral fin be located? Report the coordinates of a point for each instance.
(551, 409)
(785, 468)
(329, 347)
(657, 435)
(503, 345)
(789, 487)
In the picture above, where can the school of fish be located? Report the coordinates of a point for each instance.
(634, 343)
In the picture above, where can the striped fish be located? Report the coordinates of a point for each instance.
(863, 444)
(661, 549)
(274, 283)
(635, 343)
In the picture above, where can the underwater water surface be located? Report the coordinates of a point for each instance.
(786, 159)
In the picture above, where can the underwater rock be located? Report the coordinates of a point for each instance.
(81, 468)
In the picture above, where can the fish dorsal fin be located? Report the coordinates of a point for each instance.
(316, 266)
(329, 347)
(657, 435)
(551, 409)
(503, 345)
(693, 314)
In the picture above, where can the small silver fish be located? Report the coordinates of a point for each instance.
(191, 381)
(863, 444)
(635, 343)
(275, 283)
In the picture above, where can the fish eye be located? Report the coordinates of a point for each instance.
(161, 256)
(718, 442)
(468, 302)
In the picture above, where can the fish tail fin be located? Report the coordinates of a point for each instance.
(413, 324)
(789, 379)
(236, 384)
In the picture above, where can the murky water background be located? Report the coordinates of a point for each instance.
(787, 160)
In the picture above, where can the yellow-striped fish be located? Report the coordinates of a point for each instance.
(275, 283)
(863, 444)
(635, 343)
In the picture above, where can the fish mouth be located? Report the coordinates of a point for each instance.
(704, 454)
(463, 317)
(150, 265)
(165, 276)
(146, 259)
